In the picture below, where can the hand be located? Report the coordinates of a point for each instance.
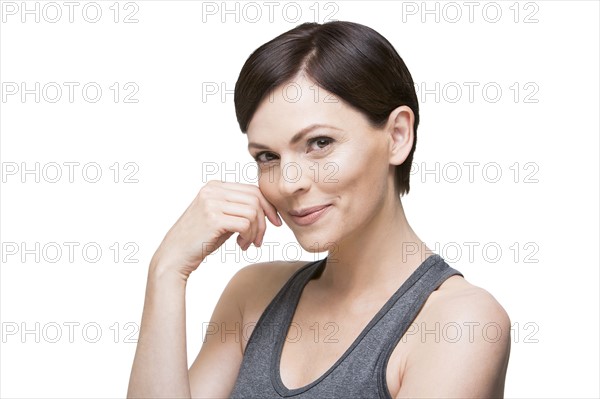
(219, 210)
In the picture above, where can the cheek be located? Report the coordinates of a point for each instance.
(355, 167)
(267, 186)
(362, 180)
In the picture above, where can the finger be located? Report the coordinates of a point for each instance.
(248, 212)
(250, 200)
(268, 208)
(240, 225)
(244, 245)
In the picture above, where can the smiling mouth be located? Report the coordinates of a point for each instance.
(309, 216)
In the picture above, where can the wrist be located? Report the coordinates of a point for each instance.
(160, 270)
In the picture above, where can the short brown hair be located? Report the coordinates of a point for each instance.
(348, 59)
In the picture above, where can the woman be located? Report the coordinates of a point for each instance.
(331, 116)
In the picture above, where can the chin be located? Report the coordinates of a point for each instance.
(316, 242)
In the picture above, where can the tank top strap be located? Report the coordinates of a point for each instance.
(404, 306)
(289, 295)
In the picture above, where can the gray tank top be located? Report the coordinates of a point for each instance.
(361, 371)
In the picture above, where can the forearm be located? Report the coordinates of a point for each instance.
(160, 365)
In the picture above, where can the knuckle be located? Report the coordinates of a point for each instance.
(245, 224)
(204, 193)
(210, 185)
(256, 190)
(253, 213)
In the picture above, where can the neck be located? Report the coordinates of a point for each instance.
(376, 259)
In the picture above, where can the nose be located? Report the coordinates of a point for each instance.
(293, 178)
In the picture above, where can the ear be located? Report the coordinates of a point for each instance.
(401, 134)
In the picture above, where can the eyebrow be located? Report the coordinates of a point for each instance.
(297, 137)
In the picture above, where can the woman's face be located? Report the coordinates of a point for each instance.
(314, 150)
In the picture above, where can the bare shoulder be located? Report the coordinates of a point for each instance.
(460, 301)
(258, 283)
(463, 334)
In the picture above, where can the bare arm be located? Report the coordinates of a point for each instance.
(214, 372)
(160, 363)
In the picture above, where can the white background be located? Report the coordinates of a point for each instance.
(544, 219)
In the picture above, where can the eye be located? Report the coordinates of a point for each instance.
(322, 142)
(264, 156)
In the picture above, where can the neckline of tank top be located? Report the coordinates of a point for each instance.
(280, 338)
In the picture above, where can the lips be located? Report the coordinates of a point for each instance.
(308, 216)
(306, 211)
